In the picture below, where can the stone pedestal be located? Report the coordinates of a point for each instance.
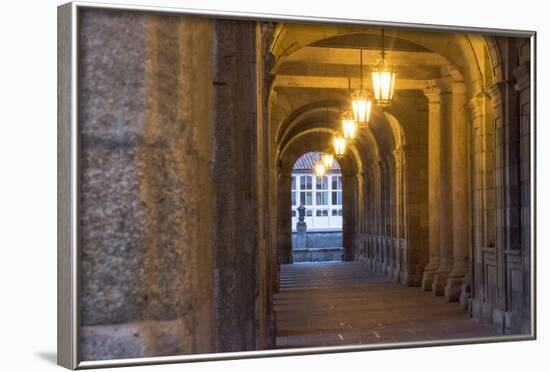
(301, 232)
(301, 229)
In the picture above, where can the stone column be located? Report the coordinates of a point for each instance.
(523, 316)
(376, 214)
(445, 205)
(398, 159)
(284, 227)
(392, 233)
(459, 193)
(147, 139)
(482, 191)
(434, 169)
(349, 206)
(361, 203)
(370, 213)
(235, 209)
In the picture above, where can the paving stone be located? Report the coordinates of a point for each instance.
(351, 305)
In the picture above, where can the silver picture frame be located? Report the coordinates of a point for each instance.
(68, 317)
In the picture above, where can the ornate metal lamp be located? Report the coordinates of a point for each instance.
(361, 101)
(383, 79)
(349, 129)
(339, 144)
(327, 159)
(319, 169)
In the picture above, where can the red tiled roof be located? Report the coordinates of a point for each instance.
(308, 160)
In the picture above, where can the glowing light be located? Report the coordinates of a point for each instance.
(349, 129)
(319, 169)
(361, 104)
(383, 82)
(327, 159)
(339, 143)
(383, 79)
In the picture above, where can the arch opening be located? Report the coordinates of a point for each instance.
(317, 211)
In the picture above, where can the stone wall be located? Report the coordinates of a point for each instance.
(321, 239)
(320, 246)
(168, 217)
(317, 255)
(500, 292)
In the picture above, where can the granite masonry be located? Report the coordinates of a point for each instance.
(188, 131)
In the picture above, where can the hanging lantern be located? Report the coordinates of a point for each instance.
(319, 169)
(361, 102)
(383, 80)
(327, 159)
(339, 143)
(348, 126)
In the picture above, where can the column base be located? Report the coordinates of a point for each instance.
(396, 274)
(465, 296)
(453, 289)
(439, 282)
(427, 279)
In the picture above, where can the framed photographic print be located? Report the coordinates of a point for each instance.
(235, 185)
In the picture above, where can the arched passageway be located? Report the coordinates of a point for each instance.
(436, 207)
(424, 178)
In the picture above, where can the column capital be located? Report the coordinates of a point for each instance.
(432, 92)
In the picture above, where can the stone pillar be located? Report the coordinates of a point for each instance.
(461, 222)
(399, 205)
(482, 191)
(521, 288)
(434, 169)
(235, 227)
(378, 226)
(392, 233)
(147, 139)
(349, 216)
(445, 206)
(284, 224)
(361, 208)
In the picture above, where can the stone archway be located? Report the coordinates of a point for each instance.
(315, 140)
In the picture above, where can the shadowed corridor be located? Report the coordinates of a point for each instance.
(344, 303)
(188, 130)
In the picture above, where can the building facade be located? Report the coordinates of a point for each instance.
(322, 196)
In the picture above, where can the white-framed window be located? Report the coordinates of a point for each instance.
(306, 190)
(321, 191)
(293, 191)
(322, 197)
(336, 186)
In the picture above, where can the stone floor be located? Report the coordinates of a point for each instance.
(342, 303)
